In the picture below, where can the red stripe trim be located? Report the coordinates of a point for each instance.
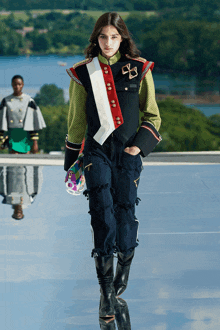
(145, 69)
(112, 95)
(74, 73)
(71, 148)
(146, 64)
(71, 72)
(82, 147)
(149, 129)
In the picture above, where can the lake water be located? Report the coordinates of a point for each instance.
(40, 70)
(36, 71)
(208, 110)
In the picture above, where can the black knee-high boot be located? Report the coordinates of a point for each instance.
(104, 269)
(107, 325)
(122, 272)
(122, 315)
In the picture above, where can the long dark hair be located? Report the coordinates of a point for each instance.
(127, 45)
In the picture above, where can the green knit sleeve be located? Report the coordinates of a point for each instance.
(77, 121)
(149, 111)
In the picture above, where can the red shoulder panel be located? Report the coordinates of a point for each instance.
(72, 73)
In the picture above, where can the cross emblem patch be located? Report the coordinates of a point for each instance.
(132, 72)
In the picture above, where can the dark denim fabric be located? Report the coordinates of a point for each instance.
(112, 178)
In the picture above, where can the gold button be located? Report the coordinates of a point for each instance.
(11, 109)
(11, 100)
(20, 121)
(118, 118)
(109, 88)
(112, 101)
(20, 109)
(108, 84)
(105, 68)
(11, 121)
(21, 99)
(106, 71)
(119, 122)
(126, 88)
(114, 105)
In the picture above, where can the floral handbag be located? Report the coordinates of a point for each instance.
(75, 177)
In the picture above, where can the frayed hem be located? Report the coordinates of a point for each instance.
(95, 190)
(137, 201)
(97, 252)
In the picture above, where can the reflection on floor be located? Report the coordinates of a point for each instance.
(48, 278)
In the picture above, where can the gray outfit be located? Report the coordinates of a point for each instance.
(20, 184)
(20, 112)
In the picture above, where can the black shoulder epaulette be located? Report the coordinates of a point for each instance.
(32, 105)
(3, 104)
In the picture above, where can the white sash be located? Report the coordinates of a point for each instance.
(101, 99)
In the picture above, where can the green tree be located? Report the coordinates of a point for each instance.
(215, 120)
(184, 46)
(10, 41)
(50, 94)
(68, 37)
(138, 25)
(13, 22)
(186, 129)
(182, 129)
(144, 5)
(41, 42)
(53, 136)
(206, 6)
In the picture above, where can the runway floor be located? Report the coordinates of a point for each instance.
(48, 279)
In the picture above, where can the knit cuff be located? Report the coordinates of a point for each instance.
(146, 138)
(71, 153)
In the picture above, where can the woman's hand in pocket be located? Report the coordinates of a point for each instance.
(132, 150)
(83, 180)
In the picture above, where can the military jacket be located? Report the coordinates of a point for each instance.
(125, 80)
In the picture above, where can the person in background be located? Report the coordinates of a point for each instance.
(22, 119)
(112, 95)
(19, 186)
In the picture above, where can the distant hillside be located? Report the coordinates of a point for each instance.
(185, 38)
(206, 6)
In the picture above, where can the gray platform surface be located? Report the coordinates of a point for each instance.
(155, 158)
(48, 279)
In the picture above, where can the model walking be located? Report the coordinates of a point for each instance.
(21, 118)
(112, 96)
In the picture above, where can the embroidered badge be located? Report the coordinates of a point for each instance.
(132, 72)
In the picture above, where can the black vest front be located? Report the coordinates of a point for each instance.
(128, 95)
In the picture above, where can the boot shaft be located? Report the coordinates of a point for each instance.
(104, 266)
(105, 272)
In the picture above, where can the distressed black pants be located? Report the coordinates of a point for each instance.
(112, 177)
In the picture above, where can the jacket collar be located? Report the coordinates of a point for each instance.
(112, 59)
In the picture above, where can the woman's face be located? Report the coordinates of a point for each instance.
(109, 41)
(17, 85)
